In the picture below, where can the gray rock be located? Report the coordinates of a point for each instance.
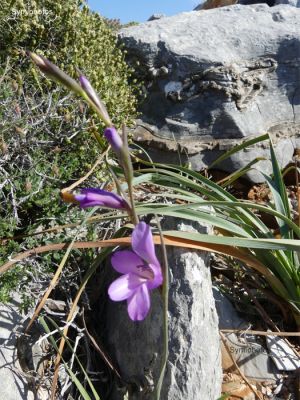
(13, 383)
(23, 359)
(251, 355)
(198, 7)
(233, 73)
(193, 369)
(156, 16)
(199, 155)
(270, 3)
(209, 4)
(227, 314)
(282, 353)
(294, 3)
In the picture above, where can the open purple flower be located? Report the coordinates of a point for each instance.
(92, 197)
(141, 273)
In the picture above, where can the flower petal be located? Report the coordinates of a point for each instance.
(142, 243)
(126, 261)
(138, 305)
(124, 287)
(92, 197)
(158, 277)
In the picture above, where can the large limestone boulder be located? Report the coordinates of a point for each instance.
(219, 76)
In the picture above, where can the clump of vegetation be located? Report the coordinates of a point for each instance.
(73, 37)
(115, 24)
(47, 136)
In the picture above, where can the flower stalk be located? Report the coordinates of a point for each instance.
(120, 147)
(56, 74)
(165, 298)
(141, 269)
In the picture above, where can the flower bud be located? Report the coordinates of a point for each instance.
(52, 71)
(114, 140)
(90, 91)
(92, 197)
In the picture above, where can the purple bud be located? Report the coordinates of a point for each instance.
(92, 197)
(114, 139)
(55, 73)
(90, 91)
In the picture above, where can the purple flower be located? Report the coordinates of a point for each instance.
(114, 139)
(141, 273)
(97, 197)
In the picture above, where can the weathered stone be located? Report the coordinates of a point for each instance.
(250, 355)
(233, 73)
(22, 356)
(208, 4)
(199, 155)
(156, 16)
(13, 382)
(283, 355)
(193, 369)
(294, 3)
(270, 3)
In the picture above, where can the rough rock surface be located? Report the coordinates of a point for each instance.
(294, 3)
(227, 73)
(251, 356)
(13, 383)
(207, 4)
(193, 369)
(156, 16)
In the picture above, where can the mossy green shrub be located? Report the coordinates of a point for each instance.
(71, 36)
(46, 134)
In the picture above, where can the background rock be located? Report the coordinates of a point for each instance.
(208, 4)
(193, 370)
(232, 73)
(156, 16)
(23, 359)
(13, 383)
(294, 3)
(218, 3)
(251, 355)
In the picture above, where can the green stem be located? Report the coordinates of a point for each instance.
(165, 297)
(125, 162)
(134, 217)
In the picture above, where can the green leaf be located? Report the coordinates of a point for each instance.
(237, 148)
(271, 244)
(279, 181)
(240, 172)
